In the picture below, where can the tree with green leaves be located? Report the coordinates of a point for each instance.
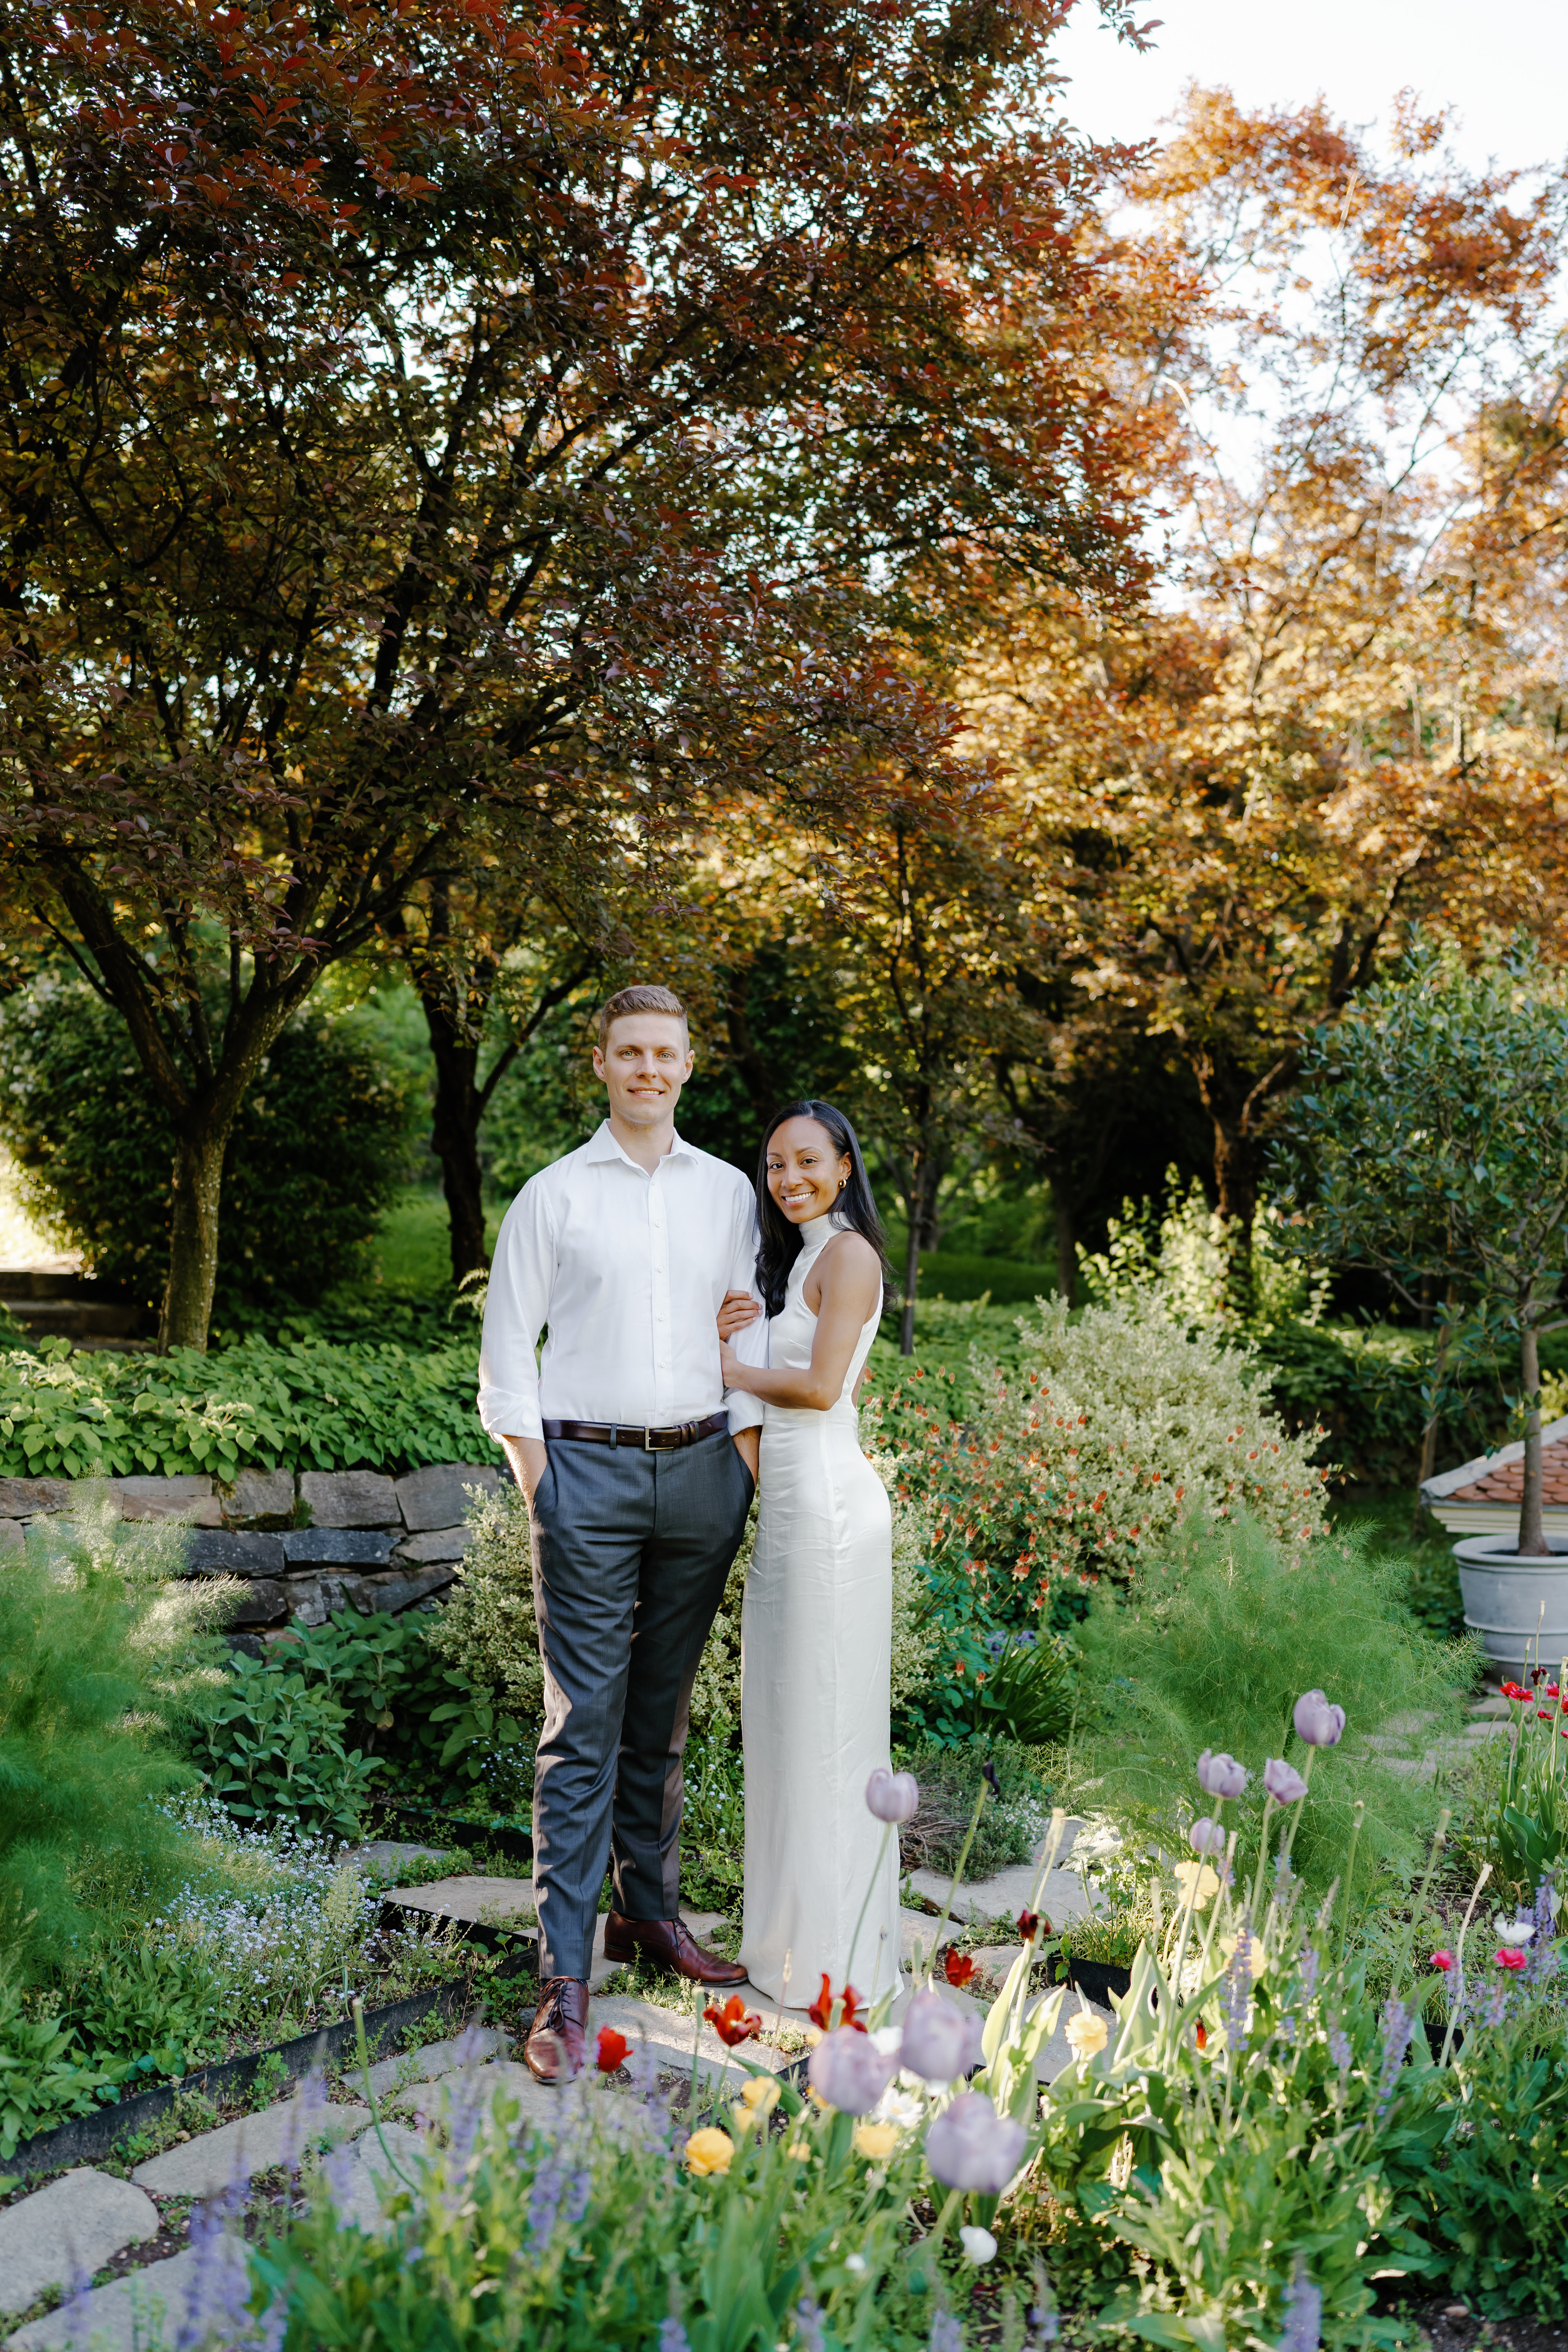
(1429, 1139)
(495, 414)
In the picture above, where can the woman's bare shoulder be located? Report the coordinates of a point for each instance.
(850, 1260)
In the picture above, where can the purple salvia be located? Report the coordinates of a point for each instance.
(208, 2292)
(1045, 2327)
(1340, 2047)
(1304, 2313)
(1496, 2006)
(672, 2337)
(808, 2325)
(1308, 1970)
(1398, 2025)
(1284, 1876)
(77, 2319)
(946, 2335)
(1286, 2031)
(305, 2105)
(337, 2171)
(1236, 1989)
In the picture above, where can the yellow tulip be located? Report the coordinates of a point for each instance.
(760, 2093)
(876, 2140)
(1087, 2033)
(799, 2150)
(1207, 1881)
(710, 2151)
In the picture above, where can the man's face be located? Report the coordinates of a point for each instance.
(645, 1061)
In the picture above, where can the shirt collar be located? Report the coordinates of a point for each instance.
(602, 1145)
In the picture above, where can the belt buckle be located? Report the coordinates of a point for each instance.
(648, 1445)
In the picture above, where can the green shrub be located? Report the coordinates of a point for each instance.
(103, 1658)
(1497, 2193)
(322, 1141)
(1215, 1652)
(305, 1406)
(45, 2075)
(340, 1713)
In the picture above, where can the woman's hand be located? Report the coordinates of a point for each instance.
(730, 1366)
(738, 1308)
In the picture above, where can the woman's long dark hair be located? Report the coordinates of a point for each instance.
(780, 1244)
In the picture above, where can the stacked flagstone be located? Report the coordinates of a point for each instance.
(305, 1544)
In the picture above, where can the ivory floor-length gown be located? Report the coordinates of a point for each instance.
(816, 1640)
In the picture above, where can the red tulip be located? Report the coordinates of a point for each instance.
(1028, 1923)
(1544, 1714)
(821, 2010)
(614, 2050)
(1510, 1957)
(1203, 2035)
(1444, 1961)
(1513, 1690)
(735, 2023)
(956, 1966)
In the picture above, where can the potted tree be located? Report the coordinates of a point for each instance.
(1430, 1140)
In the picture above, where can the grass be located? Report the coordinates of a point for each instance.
(1432, 1588)
(411, 1250)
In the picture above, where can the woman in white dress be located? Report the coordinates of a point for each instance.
(816, 1625)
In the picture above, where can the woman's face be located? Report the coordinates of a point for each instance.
(804, 1173)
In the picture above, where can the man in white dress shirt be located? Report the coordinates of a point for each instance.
(639, 1473)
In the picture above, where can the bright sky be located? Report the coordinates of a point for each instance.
(1504, 67)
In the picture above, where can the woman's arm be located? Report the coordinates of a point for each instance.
(851, 1284)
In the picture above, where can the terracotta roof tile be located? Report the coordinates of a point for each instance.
(1506, 1483)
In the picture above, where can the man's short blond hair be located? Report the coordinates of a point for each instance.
(641, 1000)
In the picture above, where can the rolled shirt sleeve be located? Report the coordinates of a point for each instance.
(517, 1308)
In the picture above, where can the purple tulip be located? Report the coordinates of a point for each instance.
(850, 2071)
(1206, 1836)
(970, 2145)
(892, 1796)
(1221, 1775)
(1284, 1784)
(1318, 1723)
(940, 2040)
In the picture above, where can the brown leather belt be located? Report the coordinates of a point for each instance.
(650, 1441)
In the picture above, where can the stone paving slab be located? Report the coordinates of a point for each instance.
(471, 1897)
(1063, 1897)
(374, 2168)
(427, 2065)
(75, 2225)
(145, 2308)
(207, 2165)
(394, 1854)
(432, 2102)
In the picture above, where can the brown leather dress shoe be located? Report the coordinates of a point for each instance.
(668, 1944)
(556, 2039)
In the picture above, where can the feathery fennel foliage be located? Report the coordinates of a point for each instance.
(101, 1654)
(1215, 1655)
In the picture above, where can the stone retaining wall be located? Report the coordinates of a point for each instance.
(304, 1543)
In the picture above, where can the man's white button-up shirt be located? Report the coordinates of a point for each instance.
(628, 1271)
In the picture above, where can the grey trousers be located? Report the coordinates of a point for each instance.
(631, 1551)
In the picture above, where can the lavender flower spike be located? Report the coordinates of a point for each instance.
(1317, 1722)
(1284, 1784)
(1304, 2313)
(1221, 1775)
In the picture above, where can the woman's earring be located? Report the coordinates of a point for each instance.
(842, 1182)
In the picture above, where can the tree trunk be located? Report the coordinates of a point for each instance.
(1066, 1247)
(455, 1137)
(199, 1156)
(1429, 1434)
(1531, 1529)
(911, 1273)
(1235, 1176)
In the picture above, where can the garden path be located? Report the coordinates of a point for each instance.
(1065, 1894)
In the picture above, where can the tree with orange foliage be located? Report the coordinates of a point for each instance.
(496, 416)
(1236, 812)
